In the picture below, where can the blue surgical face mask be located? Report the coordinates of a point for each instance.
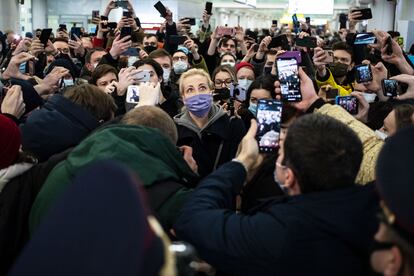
(199, 104)
(180, 67)
(245, 83)
(68, 82)
(253, 108)
(166, 74)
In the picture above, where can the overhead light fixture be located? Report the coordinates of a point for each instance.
(250, 3)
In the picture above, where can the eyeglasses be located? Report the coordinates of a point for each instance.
(221, 82)
(63, 50)
(183, 58)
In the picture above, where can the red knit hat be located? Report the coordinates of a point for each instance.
(10, 140)
(244, 64)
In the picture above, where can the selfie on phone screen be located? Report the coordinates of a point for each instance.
(269, 114)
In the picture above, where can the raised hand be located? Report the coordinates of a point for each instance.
(13, 103)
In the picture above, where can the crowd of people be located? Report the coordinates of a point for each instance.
(130, 153)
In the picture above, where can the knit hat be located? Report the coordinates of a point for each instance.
(395, 180)
(66, 62)
(244, 64)
(10, 140)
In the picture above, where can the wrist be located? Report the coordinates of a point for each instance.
(242, 162)
(41, 89)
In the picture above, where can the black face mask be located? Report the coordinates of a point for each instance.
(150, 49)
(338, 69)
(222, 94)
(267, 71)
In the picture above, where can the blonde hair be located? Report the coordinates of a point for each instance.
(194, 72)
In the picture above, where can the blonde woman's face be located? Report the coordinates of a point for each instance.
(196, 84)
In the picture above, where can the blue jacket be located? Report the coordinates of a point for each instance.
(57, 126)
(322, 233)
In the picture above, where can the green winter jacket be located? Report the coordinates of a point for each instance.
(146, 151)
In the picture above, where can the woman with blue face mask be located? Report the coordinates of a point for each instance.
(204, 126)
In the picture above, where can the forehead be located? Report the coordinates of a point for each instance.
(222, 75)
(245, 71)
(260, 93)
(179, 54)
(151, 38)
(228, 41)
(163, 60)
(146, 67)
(342, 54)
(195, 80)
(98, 54)
(60, 44)
(227, 57)
(107, 76)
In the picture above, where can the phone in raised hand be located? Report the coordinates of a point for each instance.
(287, 71)
(269, 116)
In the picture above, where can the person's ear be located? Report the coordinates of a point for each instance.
(290, 181)
(351, 66)
(394, 262)
(89, 66)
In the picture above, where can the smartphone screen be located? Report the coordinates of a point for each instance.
(238, 92)
(363, 73)
(292, 54)
(44, 36)
(209, 7)
(287, 69)
(126, 31)
(127, 14)
(349, 103)
(364, 38)
(307, 41)
(390, 88)
(332, 93)
(132, 52)
(279, 41)
(122, 4)
(365, 14)
(143, 76)
(274, 22)
(161, 9)
(269, 115)
(75, 31)
(95, 14)
(132, 94)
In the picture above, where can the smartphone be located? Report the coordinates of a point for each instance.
(112, 25)
(364, 38)
(307, 41)
(308, 20)
(209, 7)
(45, 36)
(127, 14)
(75, 31)
(287, 71)
(389, 88)
(95, 14)
(331, 94)
(121, 4)
(269, 116)
(177, 39)
(62, 27)
(143, 76)
(365, 14)
(292, 54)
(225, 31)
(342, 20)
(349, 103)
(274, 22)
(104, 22)
(132, 52)
(296, 24)
(238, 92)
(132, 95)
(190, 21)
(161, 9)
(388, 42)
(279, 41)
(363, 73)
(330, 56)
(126, 31)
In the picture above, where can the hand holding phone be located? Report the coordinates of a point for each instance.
(364, 14)
(132, 96)
(44, 36)
(349, 103)
(209, 7)
(363, 73)
(161, 9)
(287, 70)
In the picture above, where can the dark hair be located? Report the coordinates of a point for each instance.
(227, 54)
(263, 82)
(151, 35)
(101, 105)
(154, 117)
(61, 39)
(394, 34)
(100, 71)
(159, 53)
(411, 52)
(91, 52)
(345, 47)
(225, 68)
(225, 39)
(323, 153)
(403, 113)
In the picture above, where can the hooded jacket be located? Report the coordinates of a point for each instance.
(213, 145)
(320, 233)
(59, 125)
(145, 150)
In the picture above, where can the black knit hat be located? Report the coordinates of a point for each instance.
(395, 180)
(66, 63)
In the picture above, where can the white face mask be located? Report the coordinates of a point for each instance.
(381, 135)
(180, 67)
(369, 97)
(245, 83)
(132, 60)
(229, 63)
(166, 74)
(279, 183)
(68, 82)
